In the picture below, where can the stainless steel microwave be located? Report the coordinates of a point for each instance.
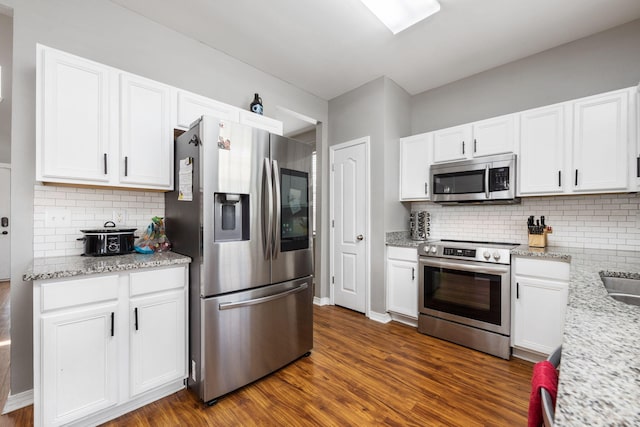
(483, 179)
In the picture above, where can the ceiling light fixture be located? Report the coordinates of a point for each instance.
(398, 15)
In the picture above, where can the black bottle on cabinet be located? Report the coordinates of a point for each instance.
(256, 105)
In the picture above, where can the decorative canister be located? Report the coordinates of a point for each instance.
(419, 225)
(256, 105)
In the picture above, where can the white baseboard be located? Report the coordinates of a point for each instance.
(17, 401)
(322, 301)
(380, 317)
(406, 320)
(528, 355)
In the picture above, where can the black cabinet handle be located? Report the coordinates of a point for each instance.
(475, 145)
(426, 188)
(638, 167)
(576, 177)
(517, 290)
(559, 178)
(462, 147)
(413, 273)
(112, 323)
(135, 314)
(105, 163)
(126, 165)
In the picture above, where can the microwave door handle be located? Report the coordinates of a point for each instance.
(267, 209)
(486, 182)
(278, 210)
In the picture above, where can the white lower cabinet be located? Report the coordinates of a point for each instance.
(540, 290)
(402, 281)
(94, 359)
(79, 363)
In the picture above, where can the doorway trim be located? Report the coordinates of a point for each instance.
(366, 140)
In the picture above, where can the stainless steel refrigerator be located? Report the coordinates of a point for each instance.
(241, 209)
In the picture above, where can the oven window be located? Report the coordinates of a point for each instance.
(467, 294)
(468, 182)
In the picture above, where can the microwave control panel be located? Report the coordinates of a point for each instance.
(499, 179)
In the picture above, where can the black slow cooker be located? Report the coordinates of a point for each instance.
(110, 240)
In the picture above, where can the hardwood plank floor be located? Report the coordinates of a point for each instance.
(360, 373)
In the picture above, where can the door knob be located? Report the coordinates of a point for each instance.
(360, 237)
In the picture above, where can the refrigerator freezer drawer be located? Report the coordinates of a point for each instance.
(249, 334)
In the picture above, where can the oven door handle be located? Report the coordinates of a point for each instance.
(466, 266)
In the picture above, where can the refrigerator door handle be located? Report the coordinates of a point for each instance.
(267, 209)
(261, 300)
(276, 224)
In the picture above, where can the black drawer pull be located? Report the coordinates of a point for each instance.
(135, 314)
(112, 323)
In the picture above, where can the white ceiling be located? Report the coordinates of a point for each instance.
(328, 47)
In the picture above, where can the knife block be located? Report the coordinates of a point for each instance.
(538, 240)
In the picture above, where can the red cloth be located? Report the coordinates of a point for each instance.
(545, 375)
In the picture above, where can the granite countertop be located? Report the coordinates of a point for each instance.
(69, 266)
(600, 368)
(401, 239)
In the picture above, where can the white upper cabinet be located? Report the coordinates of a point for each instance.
(192, 106)
(600, 142)
(146, 132)
(451, 143)
(415, 158)
(543, 133)
(492, 136)
(72, 132)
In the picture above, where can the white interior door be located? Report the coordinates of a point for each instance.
(5, 224)
(349, 214)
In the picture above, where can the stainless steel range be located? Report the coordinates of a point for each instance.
(465, 293)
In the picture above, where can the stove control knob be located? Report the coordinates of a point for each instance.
(426, 249)
(496, 256)
(486, 255)
(434, 250)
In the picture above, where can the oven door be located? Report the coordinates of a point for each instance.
(471, 293)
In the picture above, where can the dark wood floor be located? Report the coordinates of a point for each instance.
(360, 373)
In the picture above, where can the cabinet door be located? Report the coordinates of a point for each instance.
(452, 143)
(78, 362)
(494, 136)
(192, 106)
(415, 158)
(72, 119)
(146, 135)
(600, 142)
(539, 312)
(542, 143)
(158, 340)
(402, 285)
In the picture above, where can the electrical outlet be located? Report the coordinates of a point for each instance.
(119, 216)
(57, 218)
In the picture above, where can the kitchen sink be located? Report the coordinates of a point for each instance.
(623, 289)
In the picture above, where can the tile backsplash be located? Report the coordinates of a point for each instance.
(608, 221)
(80, 208)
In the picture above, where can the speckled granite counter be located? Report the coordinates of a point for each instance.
(402, 239)
(68, 266)
(600, 368)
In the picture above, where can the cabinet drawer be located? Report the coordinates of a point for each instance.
(542, 268)
(144, 282)
(72, 292)
(405, 254)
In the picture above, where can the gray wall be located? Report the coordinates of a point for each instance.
(380, 110)
(6, 61)
(605, 61)
(397, 123)
(104, 32)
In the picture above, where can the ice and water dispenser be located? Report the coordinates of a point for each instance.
(231, 222)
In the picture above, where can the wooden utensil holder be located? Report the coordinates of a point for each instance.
(538, 240)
